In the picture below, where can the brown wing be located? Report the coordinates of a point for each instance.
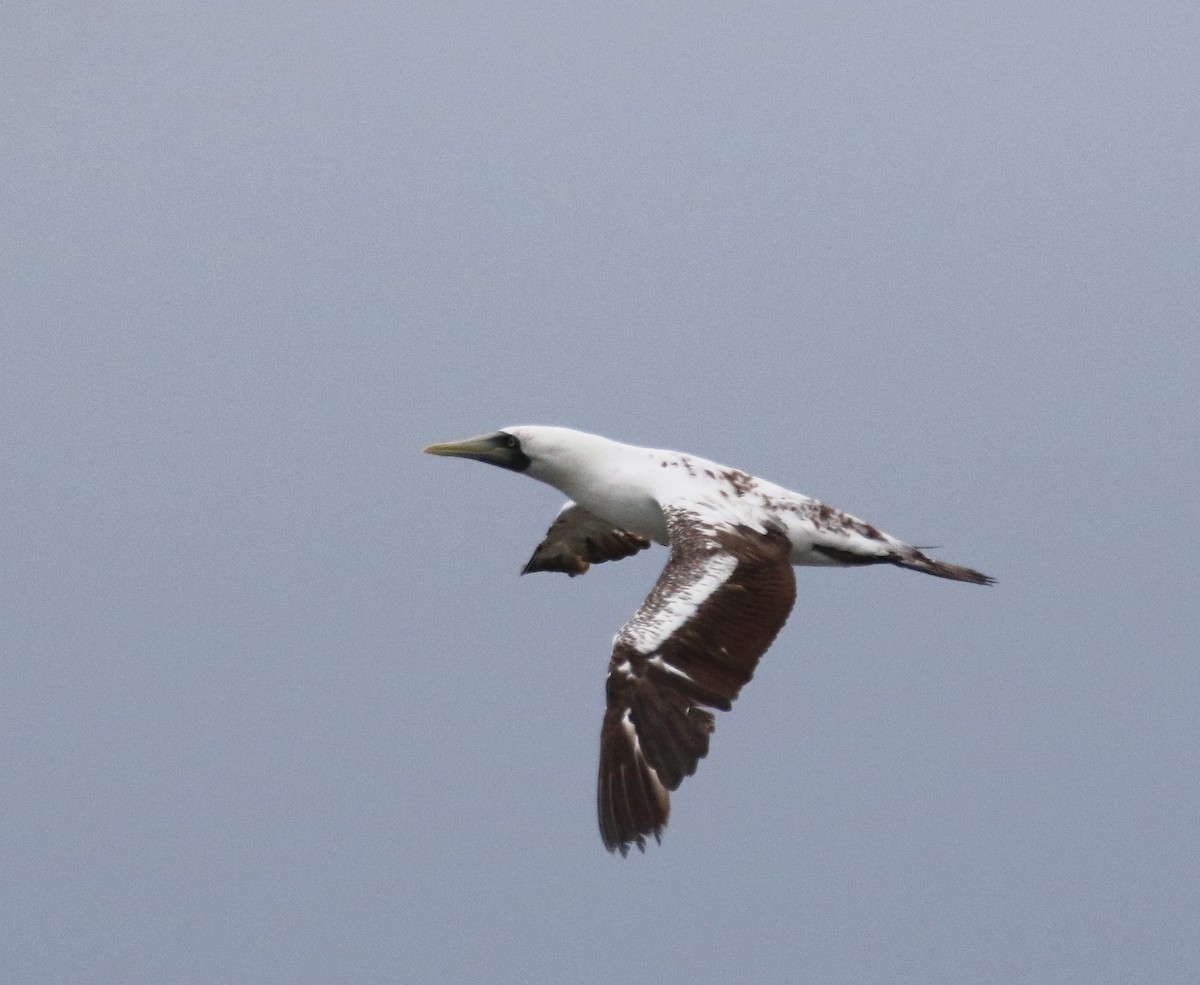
(577, 539)
(718, 604)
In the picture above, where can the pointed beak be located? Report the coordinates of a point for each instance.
(495, 449)
(483, 448)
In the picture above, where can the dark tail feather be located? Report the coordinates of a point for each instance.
(911, 558)
(955, 572)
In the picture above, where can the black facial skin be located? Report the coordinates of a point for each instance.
(510, 455)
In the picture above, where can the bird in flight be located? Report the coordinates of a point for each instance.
(723, 596)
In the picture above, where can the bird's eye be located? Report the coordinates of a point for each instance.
(511, 442)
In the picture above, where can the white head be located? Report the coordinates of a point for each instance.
(553, 455)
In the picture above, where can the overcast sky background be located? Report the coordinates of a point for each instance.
(275, 706)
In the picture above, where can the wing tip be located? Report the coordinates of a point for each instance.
(632, 803)
(569, 564)
(615, 844)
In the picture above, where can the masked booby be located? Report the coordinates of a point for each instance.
(723, 596)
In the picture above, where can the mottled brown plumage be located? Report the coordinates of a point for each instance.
(660, 684)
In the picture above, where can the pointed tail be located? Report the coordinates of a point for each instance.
(917, 561)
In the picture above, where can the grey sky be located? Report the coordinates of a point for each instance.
(276, 707)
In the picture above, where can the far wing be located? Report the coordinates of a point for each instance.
(718, 604)
(577, 539)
